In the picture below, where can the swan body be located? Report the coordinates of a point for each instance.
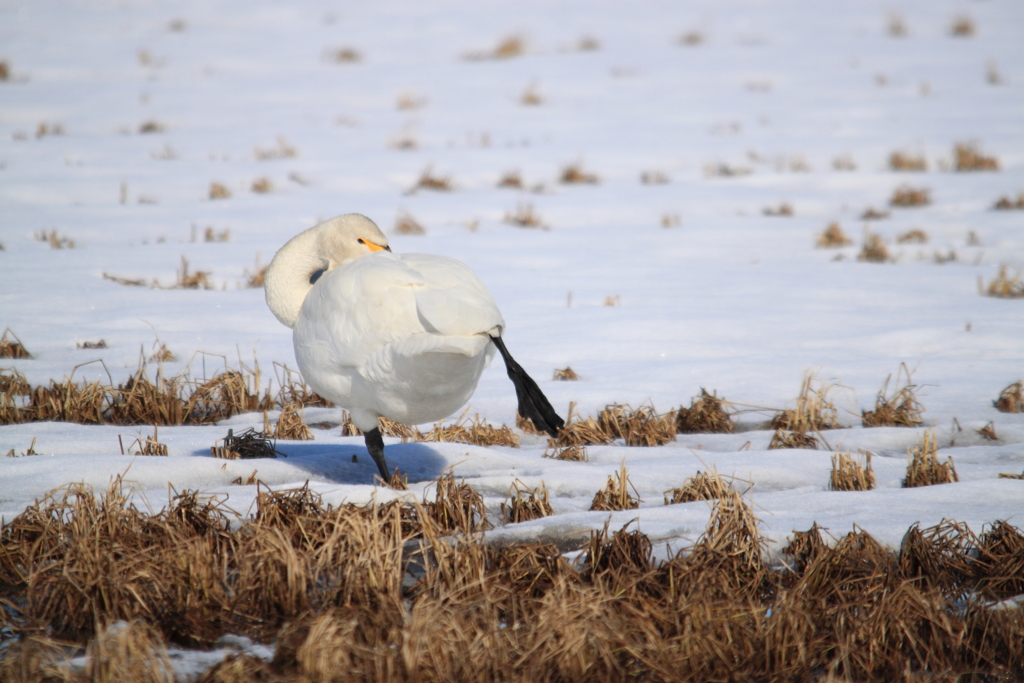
(404, 337)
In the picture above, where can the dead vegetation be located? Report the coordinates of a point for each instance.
(219, 191)
(898, 409)
(248, 445)
(1004, 286)
(813, 411)
(476, 432)
(54, 239)
(511, 179)
(344, 55)
(11, 346)
(290, 425)
(524, 216)
(642, 426)
(706, 415)
(429, 181)
(508, 47)
(531, 97)
(923, 466)
(1011, 399)
(654, 178)
(148, 446)
(262, 185)
(566, 374)
(383, 593)
(567, 453)
(1006, 204)
(792, 439)
(962, 26)
(524, 503)
(783, 209)
(874, 249)
(724, 170)
(573, 174)
(967, 157)
(833, 237)
(701, 486)
(902, 161)
(849, 475)
(282, 150)
(615, 494)
(907, 196)
(896, 26)
(405, 224)
(915, 236)
(872, 214)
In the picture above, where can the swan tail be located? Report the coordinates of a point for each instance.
(532, 401)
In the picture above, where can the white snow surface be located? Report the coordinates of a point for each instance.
(729, 299)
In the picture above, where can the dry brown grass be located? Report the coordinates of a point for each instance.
(988, 432)
(844, 163)
(642, 426)
(962, 26)
(573, 174)
(724, 170)
(524, 503)
(901, 161)
(566, 374)
(456, 506)
(671, 220)
(531, 97)
(405, 224)
(476, 432)
(508, 47)
(872, 214)
(1007, 204)
(429, 181)
(1004, 286)
(11, 346)
(5, 70)
(915, 236)
(615, 494)
(250, 444)
(849, 475)
(211, 235)
(262, 185)
(567, 453)
(783, 209)
(219, 191)
(282, 150)
(381, 593)
(896, 26)
(706, 415)
(833, 237)
(511, 179)
(581, 432)
(967, 157)
(149, 446)
(874, 249)
(524, 216)
(290, 425)
(923, 466)
(898, 409)
(55, 240)
(701, 486)
(186, 280)
(1011, 399)
(813, 411)
(907, 196)
(792, 439)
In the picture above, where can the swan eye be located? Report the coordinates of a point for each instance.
(316, 276)
(360, 240)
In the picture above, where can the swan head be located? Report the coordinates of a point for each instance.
(299, 264)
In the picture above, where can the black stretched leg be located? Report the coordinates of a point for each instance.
(375, 444)
(532, 401)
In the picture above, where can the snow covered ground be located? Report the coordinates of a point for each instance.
(725, 298)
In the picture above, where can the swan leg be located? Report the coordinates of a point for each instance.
(532, 401)
(375, 445)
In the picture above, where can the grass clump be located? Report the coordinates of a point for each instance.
(813, 411)
(706, 415)
(567, 453)
(874, 249)
(524, 503)
(615, 494)
(915, 236)
(150, 446)
(248, 445)
(218, 191)
(1011, 399)
(899, 409)
(792, 439)
(573, 174)
(405, 224)
(565, 375)
(456, 506)
(477, 433)
(783, 209)
(962, 26)
(290, 425)
(967, 157)
(901, 161)
(511, 179)
(1004, 286)
(701, 486)
(507, 48)
(849, 475)
(1007, 204)
(833, 237)
(923, 466)
(637, 427)
(524, 217)
(11, 346)
(429, 181)
(907, 196)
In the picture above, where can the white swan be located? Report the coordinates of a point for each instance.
(403, 337)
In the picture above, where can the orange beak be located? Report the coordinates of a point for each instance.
(375, 247)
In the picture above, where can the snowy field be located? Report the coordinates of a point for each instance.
(116, 118)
